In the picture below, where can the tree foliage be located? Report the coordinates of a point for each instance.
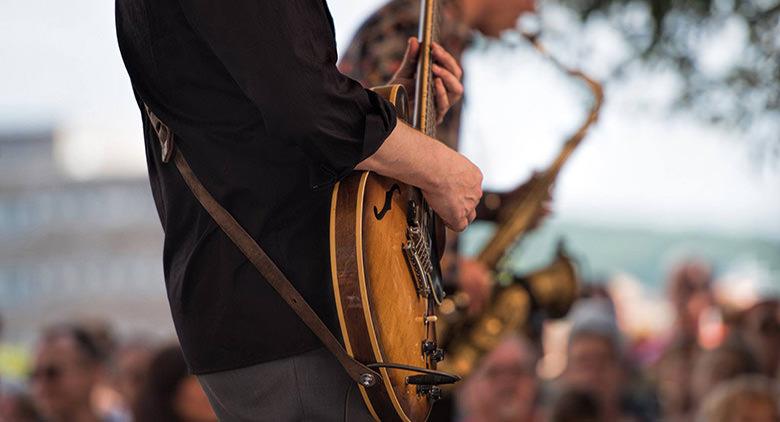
(746, 93)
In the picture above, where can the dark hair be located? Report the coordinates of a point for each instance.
(733, 358)
(85, 343)
(19, 405)
(166, 372)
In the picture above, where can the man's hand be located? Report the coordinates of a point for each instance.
(475, 280)
(447, 76)
(457, 190)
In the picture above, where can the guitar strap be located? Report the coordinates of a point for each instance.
(359, 372)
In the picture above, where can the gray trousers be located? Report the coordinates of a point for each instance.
(308, 387)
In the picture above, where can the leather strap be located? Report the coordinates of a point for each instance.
(254, 253)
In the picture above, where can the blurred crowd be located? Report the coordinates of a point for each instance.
(719, 361)
(81, 373)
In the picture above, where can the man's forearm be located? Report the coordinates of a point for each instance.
(409, 156)
(451, 183)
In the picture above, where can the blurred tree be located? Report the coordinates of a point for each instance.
(743, 91)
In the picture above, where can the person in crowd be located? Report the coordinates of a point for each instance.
(596, 363)
(672, 375)
(130, 369)
(504, 387)
(575, 405)
(171, 393)
(750, 299)
(16, 405)
(690, 294)
(751, 398)
(66, 368)
(759, 326)
(729, 361)
(106, 400)
(102, 332)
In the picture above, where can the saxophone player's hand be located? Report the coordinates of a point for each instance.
(476, 281)
(497, 206)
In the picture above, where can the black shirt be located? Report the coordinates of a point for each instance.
(251, 90)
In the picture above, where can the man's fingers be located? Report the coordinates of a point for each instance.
(413, 49)
(453, 85)
(442, 100)
(445, 59)
(459, 225)
(409, 64)
(472, 215)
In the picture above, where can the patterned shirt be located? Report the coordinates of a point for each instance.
(378, 47)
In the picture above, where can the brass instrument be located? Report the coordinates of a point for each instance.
(552, 289)
(520, 218)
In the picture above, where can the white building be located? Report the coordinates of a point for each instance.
(75, 249)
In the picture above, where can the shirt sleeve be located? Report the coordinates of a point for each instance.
(282, 54)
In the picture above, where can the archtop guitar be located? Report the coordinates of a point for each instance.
(385, 245)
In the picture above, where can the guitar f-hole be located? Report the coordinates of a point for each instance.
(388, 202)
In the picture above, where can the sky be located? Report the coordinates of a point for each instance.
(640, 167)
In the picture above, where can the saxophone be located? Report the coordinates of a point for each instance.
(520, 217)
(551, 290)
(547, 292)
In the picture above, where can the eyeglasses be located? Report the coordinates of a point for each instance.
(48, 373)
(514, 371)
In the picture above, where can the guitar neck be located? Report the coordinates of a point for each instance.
(424, 108)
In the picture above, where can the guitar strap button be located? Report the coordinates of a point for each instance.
(367, 380)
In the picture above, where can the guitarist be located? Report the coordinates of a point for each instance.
(268, 124)
(377, 52)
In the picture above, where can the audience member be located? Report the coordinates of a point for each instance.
(690, 294)
(713, 367)
(759, 326)
(106, 401)
(750, 296)
(673, 380)
(66, 368)
(16, 405)
(130, 369)
(171, 393)
(504, 387)
(595, 362)
(751, 398)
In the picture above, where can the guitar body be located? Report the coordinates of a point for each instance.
(384, 312)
